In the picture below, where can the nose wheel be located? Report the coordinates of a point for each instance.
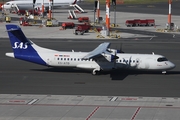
(163, 72)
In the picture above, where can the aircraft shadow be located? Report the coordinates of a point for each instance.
(122, 74)
(114, 75)
(63, 70)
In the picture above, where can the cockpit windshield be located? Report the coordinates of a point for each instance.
(7, 3)
(161, 59)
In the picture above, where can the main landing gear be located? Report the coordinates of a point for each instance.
(96, 72)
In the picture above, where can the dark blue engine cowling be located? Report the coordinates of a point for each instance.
(111, 57)
(119, 51)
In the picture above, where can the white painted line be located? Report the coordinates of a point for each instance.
(114, 99)
(174, 35)
(32, 101)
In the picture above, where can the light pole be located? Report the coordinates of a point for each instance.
(95, 7)
(3, 9)
(107, 17)
(98, 11)
(43, 9)
(169, 15)
(114, 16)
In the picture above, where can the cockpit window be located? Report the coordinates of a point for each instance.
(161, 59)
(7, 3)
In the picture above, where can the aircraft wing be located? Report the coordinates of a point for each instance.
(102, 48)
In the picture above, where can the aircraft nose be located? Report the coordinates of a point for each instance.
(2, 6)
(172, 65)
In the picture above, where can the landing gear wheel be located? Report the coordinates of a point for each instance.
(164, 72)
(95, 72)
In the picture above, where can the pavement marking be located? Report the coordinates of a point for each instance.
(129, 99)
(174, 35)
(32, 101)
(113, 99)
(17, 101)
(90, 115)
(136, 112)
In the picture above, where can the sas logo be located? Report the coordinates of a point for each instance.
(21, 45)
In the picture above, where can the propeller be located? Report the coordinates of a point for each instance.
(115, 57)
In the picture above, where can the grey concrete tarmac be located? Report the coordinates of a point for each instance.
(19, 77)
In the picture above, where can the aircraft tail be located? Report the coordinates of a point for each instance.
(22, 47)
(74, 2)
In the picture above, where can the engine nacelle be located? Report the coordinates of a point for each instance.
(114, 51)
(110, 57)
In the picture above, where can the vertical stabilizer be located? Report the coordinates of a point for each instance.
(22, 47)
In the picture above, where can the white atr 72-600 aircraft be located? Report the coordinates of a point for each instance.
(100, 59)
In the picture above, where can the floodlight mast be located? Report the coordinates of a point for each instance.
(107, 17)
(169, 15)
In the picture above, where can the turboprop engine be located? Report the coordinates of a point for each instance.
(110, 57)
(114, 51)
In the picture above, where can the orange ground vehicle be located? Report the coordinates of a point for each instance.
(82, 28)
(68, 25)
(83, 19)
(138, 22)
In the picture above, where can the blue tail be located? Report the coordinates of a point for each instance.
(22, 47)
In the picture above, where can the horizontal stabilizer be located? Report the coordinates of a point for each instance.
(10, 55)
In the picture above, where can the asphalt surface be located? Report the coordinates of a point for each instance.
(155, 8)
(19, 77)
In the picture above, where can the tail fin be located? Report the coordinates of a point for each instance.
(20, 44)
(22, 47)
(74, 2)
